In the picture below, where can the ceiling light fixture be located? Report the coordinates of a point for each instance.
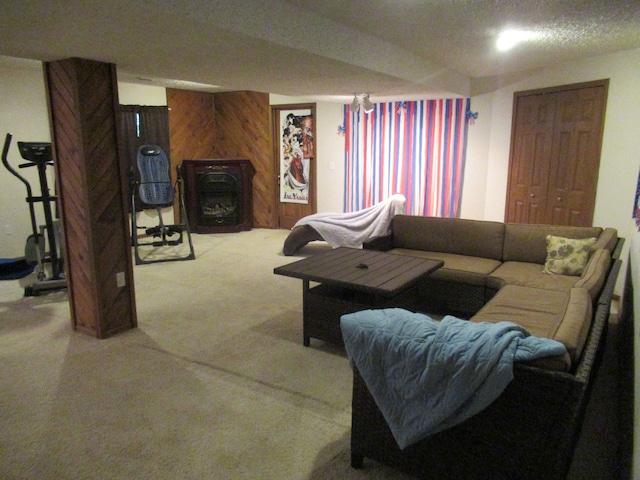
(355, 105)
(510, 38)
(362, 98)
(366, 103)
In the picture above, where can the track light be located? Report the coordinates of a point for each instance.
(355, 105)
(362, 98)
(366, 103)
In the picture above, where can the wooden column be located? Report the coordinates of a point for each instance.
(91, 188)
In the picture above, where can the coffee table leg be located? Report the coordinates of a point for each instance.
(305, 312)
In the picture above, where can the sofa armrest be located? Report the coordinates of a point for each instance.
(595, 272)
(607, 239)
(594, 347)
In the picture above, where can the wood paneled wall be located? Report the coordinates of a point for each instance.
(227, 125)
(92, 195)
(192, 130)
(192, 126)
(243, 130)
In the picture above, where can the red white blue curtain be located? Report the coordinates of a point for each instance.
(413, 148)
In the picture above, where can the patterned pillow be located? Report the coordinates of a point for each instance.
(567, 256)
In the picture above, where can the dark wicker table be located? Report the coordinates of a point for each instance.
(351, 280)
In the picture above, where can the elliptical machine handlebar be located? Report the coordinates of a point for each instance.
(5, 152)
(5, 162)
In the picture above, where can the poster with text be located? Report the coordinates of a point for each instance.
(296, 154)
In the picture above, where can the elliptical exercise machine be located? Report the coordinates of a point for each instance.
(39, 155)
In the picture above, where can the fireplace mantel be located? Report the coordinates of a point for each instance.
(219, 194)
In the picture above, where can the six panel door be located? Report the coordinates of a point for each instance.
(555, 154)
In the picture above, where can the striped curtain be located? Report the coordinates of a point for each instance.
(413, 148)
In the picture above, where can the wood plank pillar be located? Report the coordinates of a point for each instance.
(92, 195)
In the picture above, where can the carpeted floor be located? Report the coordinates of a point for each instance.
(214, 384)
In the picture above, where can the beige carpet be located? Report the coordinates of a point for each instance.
(214, 384)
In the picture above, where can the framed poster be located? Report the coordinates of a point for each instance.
(296, 152)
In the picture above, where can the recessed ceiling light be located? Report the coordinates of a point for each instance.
(510, 38)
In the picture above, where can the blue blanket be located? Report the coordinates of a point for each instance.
(429, 375)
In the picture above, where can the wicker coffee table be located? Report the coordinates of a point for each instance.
(351, 280)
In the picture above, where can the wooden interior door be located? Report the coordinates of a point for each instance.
(290, 136)
(529, 166)
(575, 156)
(555, 154)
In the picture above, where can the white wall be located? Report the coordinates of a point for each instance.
(134, 94)
(24, 114)
(475, 182)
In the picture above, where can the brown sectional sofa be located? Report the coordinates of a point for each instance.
(484, 259)
(495, 272)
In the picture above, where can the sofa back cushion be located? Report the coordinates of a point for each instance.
(476, 238)
(528, 243)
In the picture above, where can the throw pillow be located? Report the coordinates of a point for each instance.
(567, 256)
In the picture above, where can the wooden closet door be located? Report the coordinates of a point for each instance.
(575, 156)
(529, 168)
(555, 154)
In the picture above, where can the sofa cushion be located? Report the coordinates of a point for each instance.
(527, 243)
(539, 311)
(595, 272)
(562, 316)
(475, 238)
(567, 256)
(456, 268)
(529, 275)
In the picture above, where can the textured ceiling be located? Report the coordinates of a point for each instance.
(325, 49)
